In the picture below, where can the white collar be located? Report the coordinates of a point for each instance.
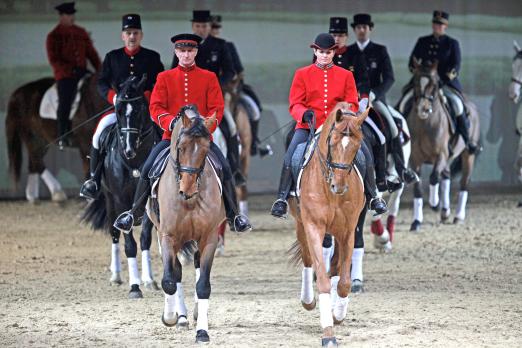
(363, 45)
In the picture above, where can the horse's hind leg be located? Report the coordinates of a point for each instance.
(36, 152)
(115, 257)
(358, 254)
(131, 250)
(145, 243)
(468, 162)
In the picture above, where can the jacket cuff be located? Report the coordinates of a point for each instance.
(147, 94)
(110, 96)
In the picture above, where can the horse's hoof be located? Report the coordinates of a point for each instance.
(34, 201)
(519, 204)
(329, 342)
(357, 286)
(309, 306)
(169, 322)
(387, 248)
(458, 221)
(58, 197)
(435, 207)
(444, 215)
(151, 285)
(202, 337)
(195, 314)
(182, 322)
(380, 241)
(415, 226)
(115, 279)
(135, 292)
(336, 321)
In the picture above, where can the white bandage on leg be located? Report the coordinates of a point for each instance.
(325, 307)
(134, 274)
(198, 274)
(434, 195)
(461, 205)
(417, 209)
(181, 308)
(32, 189)
(340, 307)
(334, 281)
(146, 269)
(104, 123)
(169, 309)
(202, 315)
(357, 262)
(50, 181)
(327, 257)
(307, 286)
(115, 258)
(445, 187)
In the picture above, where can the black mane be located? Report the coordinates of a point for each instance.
(198, 129)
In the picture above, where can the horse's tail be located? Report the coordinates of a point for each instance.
(295, 254)
(14, 141)
(186, 254)
(95, 215)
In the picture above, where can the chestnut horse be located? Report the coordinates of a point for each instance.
(332, 201)
(25, 126)
(190, 209)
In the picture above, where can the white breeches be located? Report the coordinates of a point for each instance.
(255, 113)
(104, 123)
(382, 109)
(454, 99)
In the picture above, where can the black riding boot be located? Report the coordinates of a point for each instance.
(233, 159)
(132, 217)
(405, 174)
(64, 126)
(254, 126)
(379, 154)
(280, 206)
(91, 187)
(237, 222)
(376, 204)
(463, 129)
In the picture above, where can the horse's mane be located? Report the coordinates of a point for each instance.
(197, 129)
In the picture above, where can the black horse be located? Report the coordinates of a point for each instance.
(127, 145)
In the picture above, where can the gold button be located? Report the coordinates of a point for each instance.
(131, 65)
(132, 72)
(132, 57)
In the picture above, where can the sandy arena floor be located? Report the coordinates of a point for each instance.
(448, 286)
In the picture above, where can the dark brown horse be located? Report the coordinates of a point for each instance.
(332, 201)
(190, 209)
(25, 126)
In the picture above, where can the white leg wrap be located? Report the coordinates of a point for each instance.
(357, 262)
(202, 315)
(104, 123)
(434, 195)
(197, 278)
(327, 257)
(325, 307)
(169, 310)
(334, 281)
(243, 208)
(445, 193)
(146, 269)
(32, 190)
(181, 308)
(115, 258)
(461, 205)
(394, 202)
(417, 209)
(307, 286)
(50, 181)
(340, 307)
(134, 274)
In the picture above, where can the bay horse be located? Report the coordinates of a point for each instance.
(332, 201)
(190, 209)
(514, 94)
(432, 142)
(24, 126)
(127, 145)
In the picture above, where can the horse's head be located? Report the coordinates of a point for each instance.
(343, 142)
(192, 146)
(425, 87)
(231, 92)
(132, 114)
(516, 78)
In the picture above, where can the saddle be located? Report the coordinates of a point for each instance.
(49, 103)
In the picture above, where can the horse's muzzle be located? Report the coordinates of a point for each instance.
(338, 189)
(129, 154)
(187, 197)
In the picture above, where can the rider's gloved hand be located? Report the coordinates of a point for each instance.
(173, 123)
(308, 116)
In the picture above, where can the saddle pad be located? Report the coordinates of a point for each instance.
(49, 103)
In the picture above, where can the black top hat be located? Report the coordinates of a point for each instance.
(66, 8)
(440, 17)
(362, 18)
(324, 41)
(131, 21)
(201, 16)
(216, 21)
(338, 25)
(186, 40)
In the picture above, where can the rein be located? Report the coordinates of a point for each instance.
(518, 82)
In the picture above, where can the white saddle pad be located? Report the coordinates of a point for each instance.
(49, 103)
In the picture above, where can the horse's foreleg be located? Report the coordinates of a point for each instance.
(418, 215)
(57, 193)
(358, 253)
(32, 189)
(131, 250)
(307, 274)
(467, 168)
(445, 188)
(145, 242)
(434, 188)
(170, 280)
(115, 257)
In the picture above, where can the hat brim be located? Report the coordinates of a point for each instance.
(370, 24)
(200, 20)
(338, 31)
(440, 21)
(313, 45)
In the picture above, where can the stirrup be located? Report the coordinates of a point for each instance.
(90, 193)
(124, 222)
(278, 214)
(248, 225)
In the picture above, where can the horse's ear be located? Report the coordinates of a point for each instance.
(361, 117)
(187, 122)
(338, 115)
(416, 63)
(142, 81)
(516, 46)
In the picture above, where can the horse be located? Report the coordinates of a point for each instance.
(189, 208)
(432, 142)
(514, 94)
(127, 145)
(332, 201)
(25, 126)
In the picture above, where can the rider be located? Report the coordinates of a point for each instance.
(214, 56)
(446, 51)
(68, 49)
(372, 57)
(118, 66)
(315, 90)
(186, 84)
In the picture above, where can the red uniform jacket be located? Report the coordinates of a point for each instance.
(181, 86)
(69, 47)
(320, 90)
